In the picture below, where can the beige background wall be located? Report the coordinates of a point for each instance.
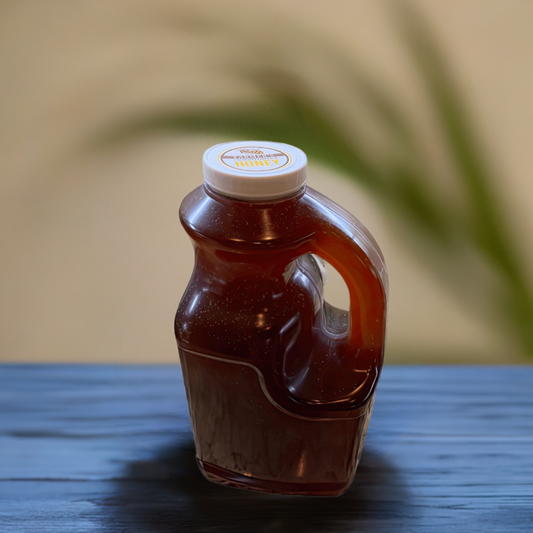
(93, 258)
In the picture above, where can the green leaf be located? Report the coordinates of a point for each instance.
(488, 226)
(289, 119)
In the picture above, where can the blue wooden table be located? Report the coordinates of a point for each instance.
(109, 449)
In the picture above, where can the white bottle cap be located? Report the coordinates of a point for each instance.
(255, 169)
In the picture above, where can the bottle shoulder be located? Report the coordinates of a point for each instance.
(248, 226)
(239, 224)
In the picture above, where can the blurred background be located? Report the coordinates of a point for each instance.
(417, 117)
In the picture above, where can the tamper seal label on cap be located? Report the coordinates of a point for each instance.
(254, 158)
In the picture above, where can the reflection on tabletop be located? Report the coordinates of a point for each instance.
(170, 489)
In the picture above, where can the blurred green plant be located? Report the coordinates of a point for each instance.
(467, 246)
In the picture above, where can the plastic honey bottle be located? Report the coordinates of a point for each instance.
(280, 384)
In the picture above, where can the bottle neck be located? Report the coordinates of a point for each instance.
(256, 201)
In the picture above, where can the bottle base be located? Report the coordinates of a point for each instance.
(234, 480)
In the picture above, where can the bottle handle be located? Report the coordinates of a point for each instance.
(349, 248)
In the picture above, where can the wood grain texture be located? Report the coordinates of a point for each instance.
(109, 449)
